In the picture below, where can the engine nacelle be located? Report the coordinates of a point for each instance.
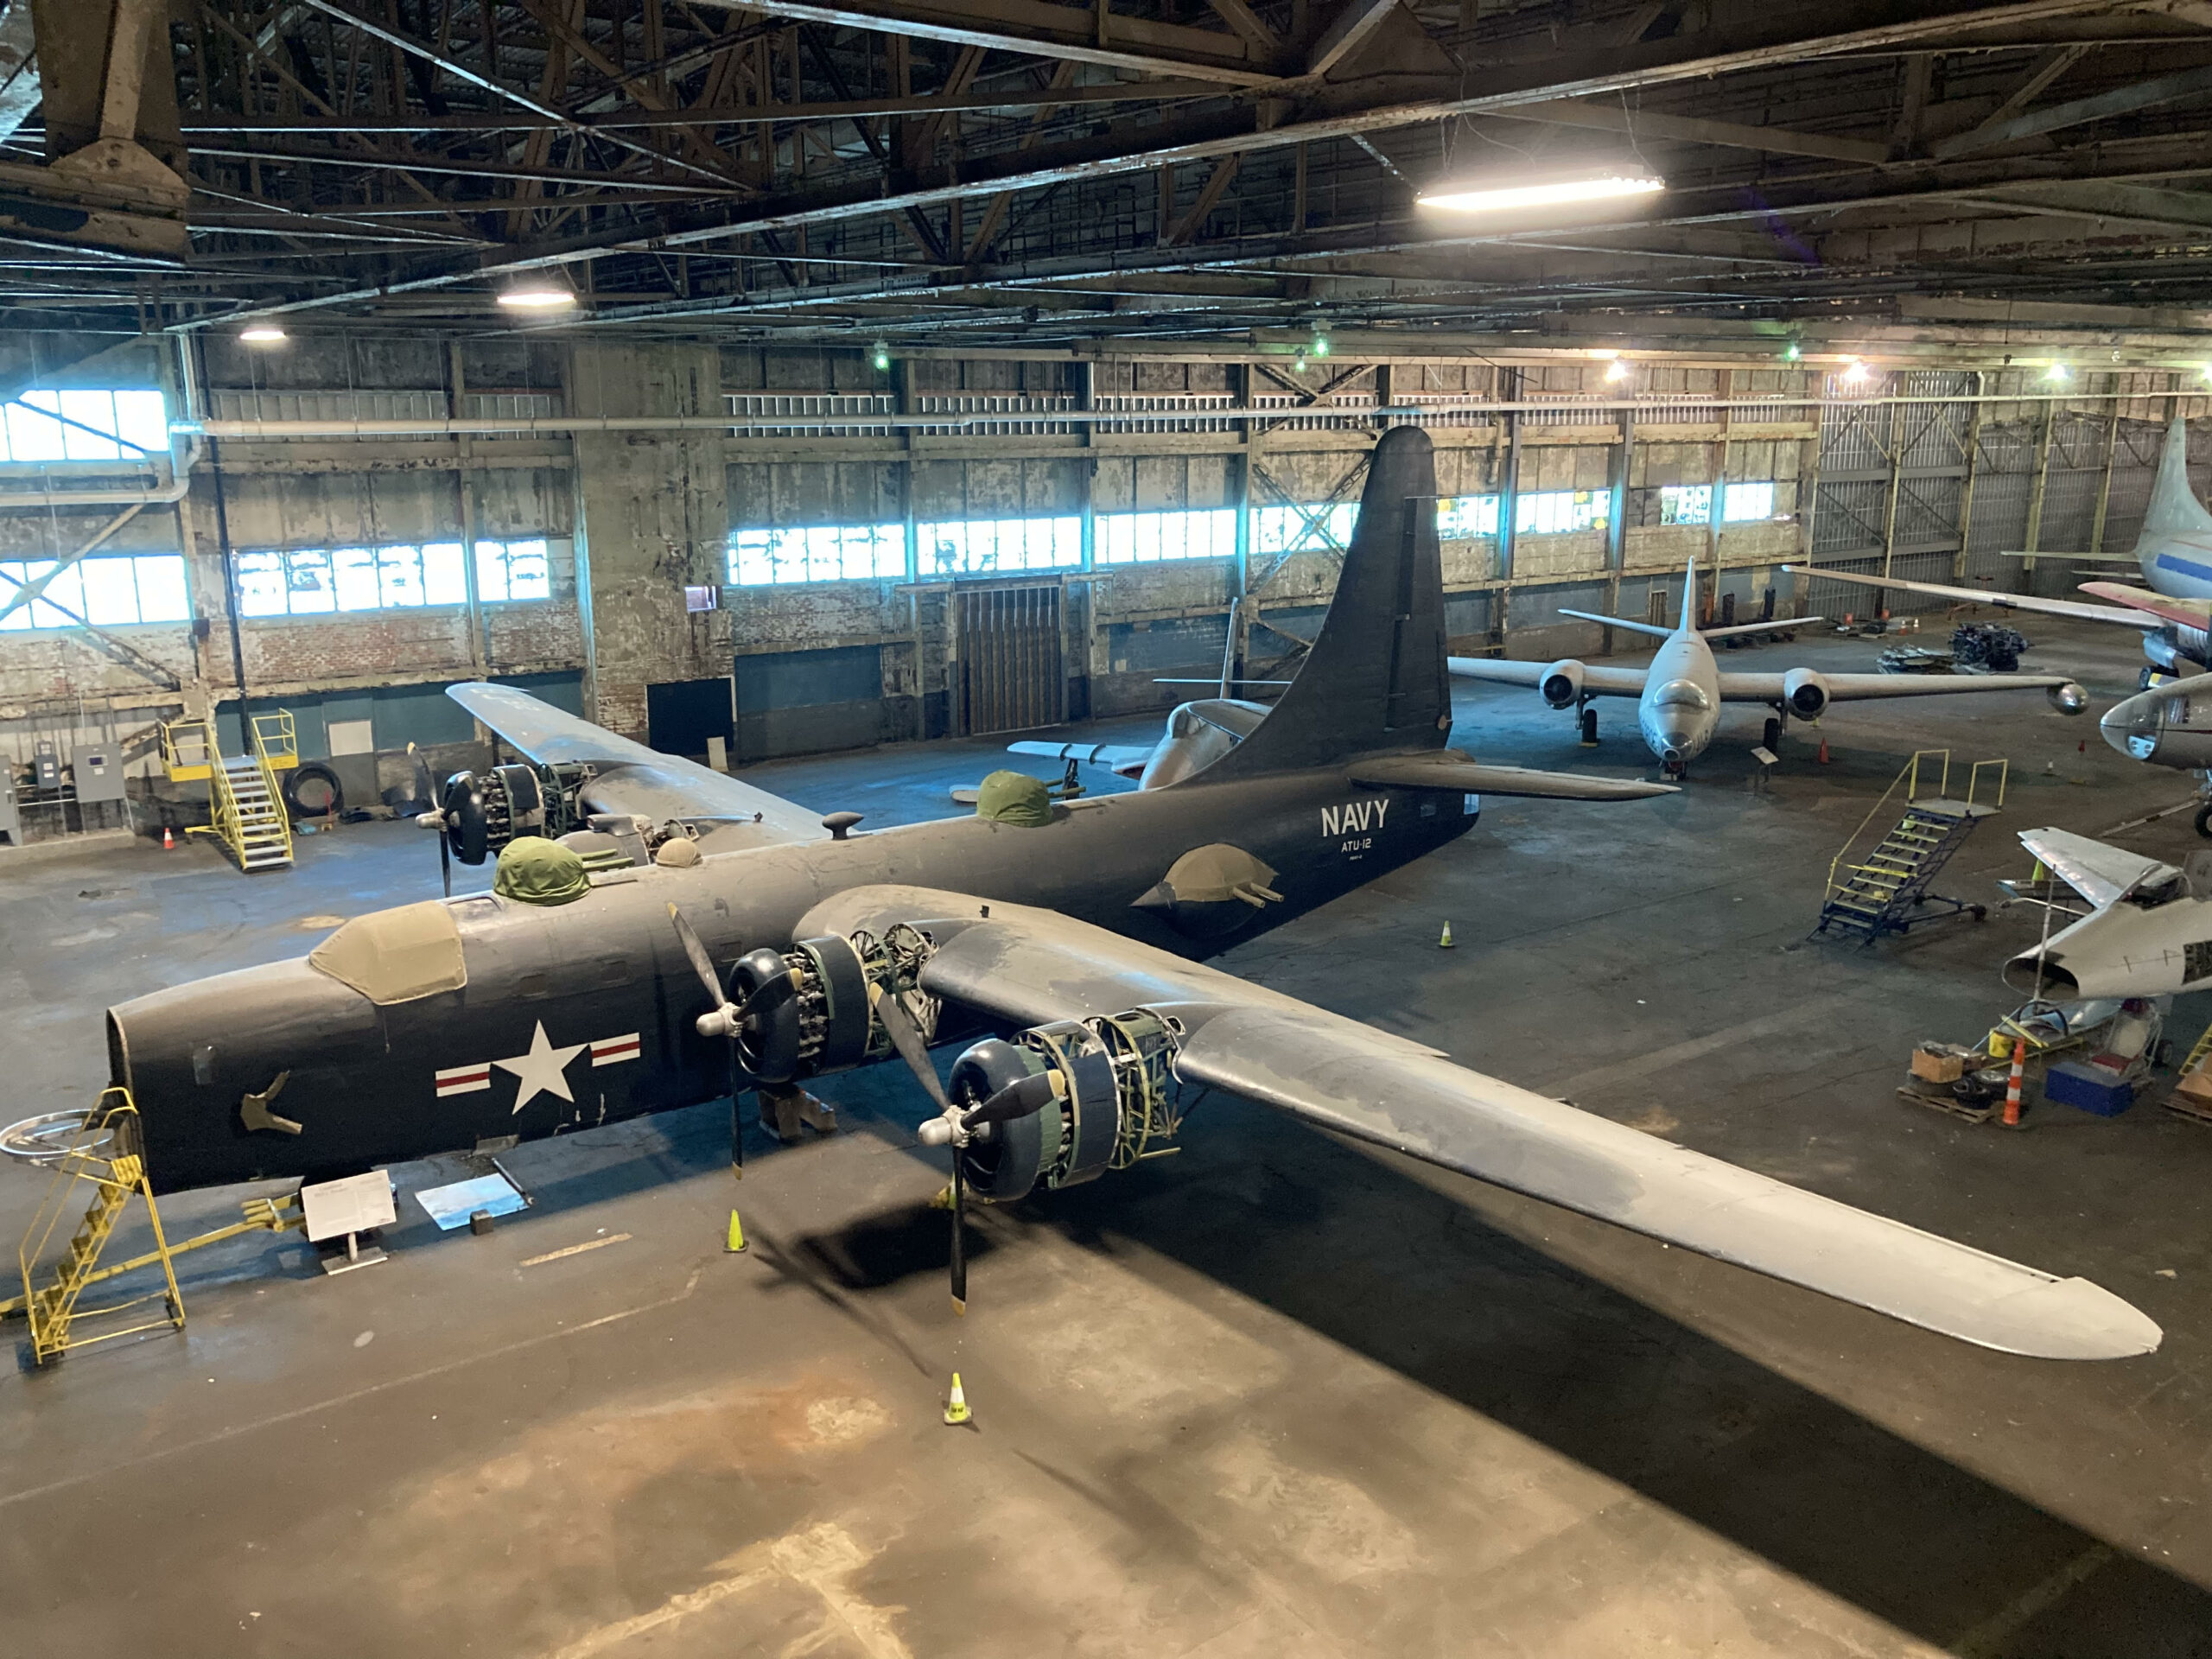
(2068, 699)
(481, 811)
(1806, 693)
(1116, 1097)
(826, 1022)
(1561, 685)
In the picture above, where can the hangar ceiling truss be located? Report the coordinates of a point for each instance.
(996, 173)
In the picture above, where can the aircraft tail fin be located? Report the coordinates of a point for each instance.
(1689, 600)
(2174, 508)
(1374, 680)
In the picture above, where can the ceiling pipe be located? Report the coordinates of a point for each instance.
(167, 495)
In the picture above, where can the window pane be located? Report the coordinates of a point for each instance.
(530, 572)
(141, 418)
(354, 569)
(111, 592)
(12, 577)
(1747, 501)
(33, 435)
(1686, 503)
(95, 410)
(161, 595)
(399, 576)
(261, 584)
(67, 589)
(443, 582)
(309, 588)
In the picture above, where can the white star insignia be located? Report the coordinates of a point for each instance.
(543, 1069)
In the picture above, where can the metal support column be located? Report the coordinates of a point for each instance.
(1966, 491)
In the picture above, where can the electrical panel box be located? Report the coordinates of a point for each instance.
(46, 765)
(99, 775)
(11, 823)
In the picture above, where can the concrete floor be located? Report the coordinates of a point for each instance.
(1276, 1395)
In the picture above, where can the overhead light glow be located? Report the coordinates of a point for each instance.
(536, 296)
(1792, 351)
(1556, 193)
(1299, 362)
(2206, 371)
(2058, 372)
(878, 356)
(1617, 371)
(1321, 346)
(1856, 373)
(262, 334)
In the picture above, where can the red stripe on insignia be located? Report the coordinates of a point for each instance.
(613, 1050)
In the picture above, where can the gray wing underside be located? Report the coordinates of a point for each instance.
(1450, 769)
(1862, 688)
(2099, 872)
(632, 779)
(1026, 966)
(2074, 607)
(1600, 682)
(1124, 759)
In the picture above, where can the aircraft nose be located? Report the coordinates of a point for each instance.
(2133, 726)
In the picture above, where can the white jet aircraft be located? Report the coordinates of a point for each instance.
(2149, 932)
(2173, 551)
(1679, 694)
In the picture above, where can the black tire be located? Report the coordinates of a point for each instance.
(325, 800)
(1590, 727)
(2204, 821)
(1771, 740)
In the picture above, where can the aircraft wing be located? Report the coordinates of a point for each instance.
(2098, 872)
(1859, 688)
(1451, 769)
(2073, 607)
(1024, 966)
(632, 779)
(2189, 613)
(1124, 759)
(1601, 681)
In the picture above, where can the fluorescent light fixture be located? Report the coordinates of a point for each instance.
(535, 294)
(262, 334)
(1554, 193)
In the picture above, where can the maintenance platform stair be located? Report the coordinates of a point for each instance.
(243, 796)
(1885, 889)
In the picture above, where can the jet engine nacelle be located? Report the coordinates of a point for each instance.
(2169, 727)
(2068, 699)
(1561, 685)
(1806, 693)
(1116, 1097)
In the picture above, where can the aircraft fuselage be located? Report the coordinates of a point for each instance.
(1680, 709)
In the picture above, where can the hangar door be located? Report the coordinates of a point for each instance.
(1012, 676)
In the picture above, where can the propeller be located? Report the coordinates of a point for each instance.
(723, 1021)
(426, 792)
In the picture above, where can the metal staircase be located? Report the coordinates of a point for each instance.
(243, 796)
(1885, 890)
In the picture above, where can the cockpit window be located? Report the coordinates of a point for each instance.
(396, 956)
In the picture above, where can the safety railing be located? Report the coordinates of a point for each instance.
(1909, 777)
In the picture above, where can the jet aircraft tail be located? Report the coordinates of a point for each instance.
(1375, 680)
(2175, 510)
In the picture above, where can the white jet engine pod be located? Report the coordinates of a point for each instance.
(1561, 685)
(1806, 693)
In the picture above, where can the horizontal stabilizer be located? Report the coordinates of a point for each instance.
(1449, 769)
(1126, 759)
(2074, 607)
(2085, 558)
(1773, 625)
(1652, 628)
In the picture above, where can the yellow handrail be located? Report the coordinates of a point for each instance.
(2003, 776)
(1910, 777)
(188, 751)
(276, 741)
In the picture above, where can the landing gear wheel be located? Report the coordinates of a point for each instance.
(1589, 728)
(1771, 740)
(2204, 821)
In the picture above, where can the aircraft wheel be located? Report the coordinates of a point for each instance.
(1589, 728)
(1773, 739)
(2147, 678)
(2204, 821)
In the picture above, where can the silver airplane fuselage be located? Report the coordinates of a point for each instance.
(1680, 709)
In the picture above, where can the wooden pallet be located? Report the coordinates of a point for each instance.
(1939, 1095)
(2189, 1106)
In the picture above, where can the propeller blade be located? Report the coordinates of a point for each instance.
(1024, 1098)
(899, 1026)
(701, 964)
(959, 1235)
(773, 993)
(425, 791)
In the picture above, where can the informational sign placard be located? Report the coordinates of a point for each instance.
(356, 1204)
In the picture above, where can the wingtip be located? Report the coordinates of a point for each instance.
(2074, 1318)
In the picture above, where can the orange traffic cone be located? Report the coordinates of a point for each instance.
(2012, 1085)
(1824, 751)
(169, 839)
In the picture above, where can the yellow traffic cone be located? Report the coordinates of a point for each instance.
(736, 1244)
(1445, 942)
(955, 1406)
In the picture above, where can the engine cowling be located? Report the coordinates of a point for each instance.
(2068, 699)
(1561, 685)
(1806, 693)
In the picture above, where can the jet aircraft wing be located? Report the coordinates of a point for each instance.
(2098, 872)
(1125, 759)
(2073, 607)
(1598, 682)
(2189, 613)
(1451, 769)
(1859, 688)
(1026, 966)
(632, 779)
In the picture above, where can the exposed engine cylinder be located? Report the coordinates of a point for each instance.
(825, 1024)
(1117, 1097)
(1561, 685)
(484, 810)
(1806, 693)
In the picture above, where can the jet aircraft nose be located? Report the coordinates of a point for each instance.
(2134, 726)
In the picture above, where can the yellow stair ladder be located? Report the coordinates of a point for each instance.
(244, 796)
